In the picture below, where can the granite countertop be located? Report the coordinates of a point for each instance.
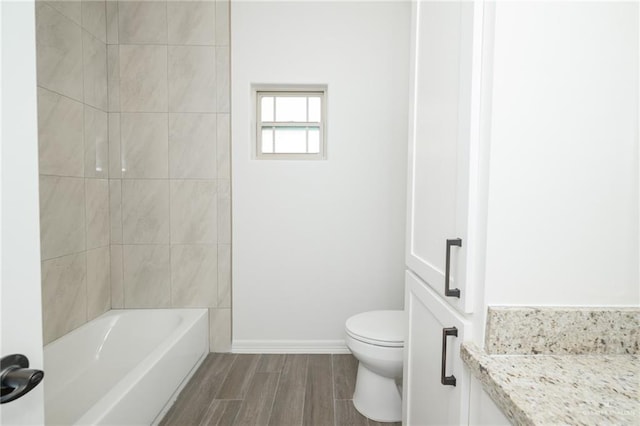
(561, 366)
(560, 389)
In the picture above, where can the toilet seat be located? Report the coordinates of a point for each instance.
(379, 328)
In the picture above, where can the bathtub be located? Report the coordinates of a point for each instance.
(124, 367)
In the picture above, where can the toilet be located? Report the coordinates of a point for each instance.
(376, 339)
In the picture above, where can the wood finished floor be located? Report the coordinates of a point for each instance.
(277, 390)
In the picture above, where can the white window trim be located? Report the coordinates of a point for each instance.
(260, 91)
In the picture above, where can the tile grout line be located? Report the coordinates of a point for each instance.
(275, 393)
(166, 7)
(73, 253)
(80, 101)
(202, 179)
(120, 174)
(304, 393)
(223, 379)
(108, 167)
(84, 172)
(333, 391)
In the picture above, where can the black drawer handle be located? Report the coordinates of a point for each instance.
(444, 379)
(450, 292)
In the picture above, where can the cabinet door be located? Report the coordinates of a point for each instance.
(426, 401)
(482, 410)
(443, 133)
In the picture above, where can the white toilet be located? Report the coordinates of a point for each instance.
(376, 339)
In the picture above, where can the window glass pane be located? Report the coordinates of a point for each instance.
(314, 140)
(314, 109)
(290, 108)
(267, 109)
(267, 141)
(290, 140)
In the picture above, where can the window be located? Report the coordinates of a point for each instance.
(290, 123)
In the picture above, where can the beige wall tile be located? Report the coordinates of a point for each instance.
(220, 330)
(115, 162)
(222, 79)
(59, 52)
(142, 22)
(94, 18)
(192, 146)
(224, 211)
(222, 22)
(190, 76)
(98, 282)
(193, 211)
(97, 212)
(115, 210)
(143, 78)
(62, 229)
(194, 276)
(112, 21)
(64, 295)
(145, 211)
(192, 22)
(144, 145)
(113, 77)
(224, 275)
(147, 276)
(192, 79)
(96, 143)
(69, 8)
(223, 143)
(117, 285)
(60, 140)
(95, 71)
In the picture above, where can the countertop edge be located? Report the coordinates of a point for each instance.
(479, 364)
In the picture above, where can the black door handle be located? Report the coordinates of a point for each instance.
(16, 379)
(444, 379)
(450, 292)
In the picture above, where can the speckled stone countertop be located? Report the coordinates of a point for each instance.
(536, 379)
(558, 331)
(560, 389)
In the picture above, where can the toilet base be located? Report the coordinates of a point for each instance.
(377, 397)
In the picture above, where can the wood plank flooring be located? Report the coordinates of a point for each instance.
(274, 390)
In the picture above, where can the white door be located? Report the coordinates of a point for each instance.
(442, 129)
(21, 313)
(426, 400)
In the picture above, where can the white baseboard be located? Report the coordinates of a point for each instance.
(289, 347)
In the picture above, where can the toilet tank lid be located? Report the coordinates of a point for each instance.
(382, 326)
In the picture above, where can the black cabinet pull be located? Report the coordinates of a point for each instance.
(450, 292)
(444, 379)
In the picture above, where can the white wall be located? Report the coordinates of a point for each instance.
(563, 192)
(20, 292)
(315, 242)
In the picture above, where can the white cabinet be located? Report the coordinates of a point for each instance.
(446, 201)
(443, 143)
(482, 410)
(428, 349)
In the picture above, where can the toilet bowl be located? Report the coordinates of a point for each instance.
(376, 339)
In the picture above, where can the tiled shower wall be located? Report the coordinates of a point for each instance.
(74, 190)
(165, 161)
(168, 72)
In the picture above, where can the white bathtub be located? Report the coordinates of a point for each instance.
(123, 367)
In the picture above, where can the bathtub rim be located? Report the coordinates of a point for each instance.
(109, 400)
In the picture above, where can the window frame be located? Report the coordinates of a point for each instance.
(260, 92)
